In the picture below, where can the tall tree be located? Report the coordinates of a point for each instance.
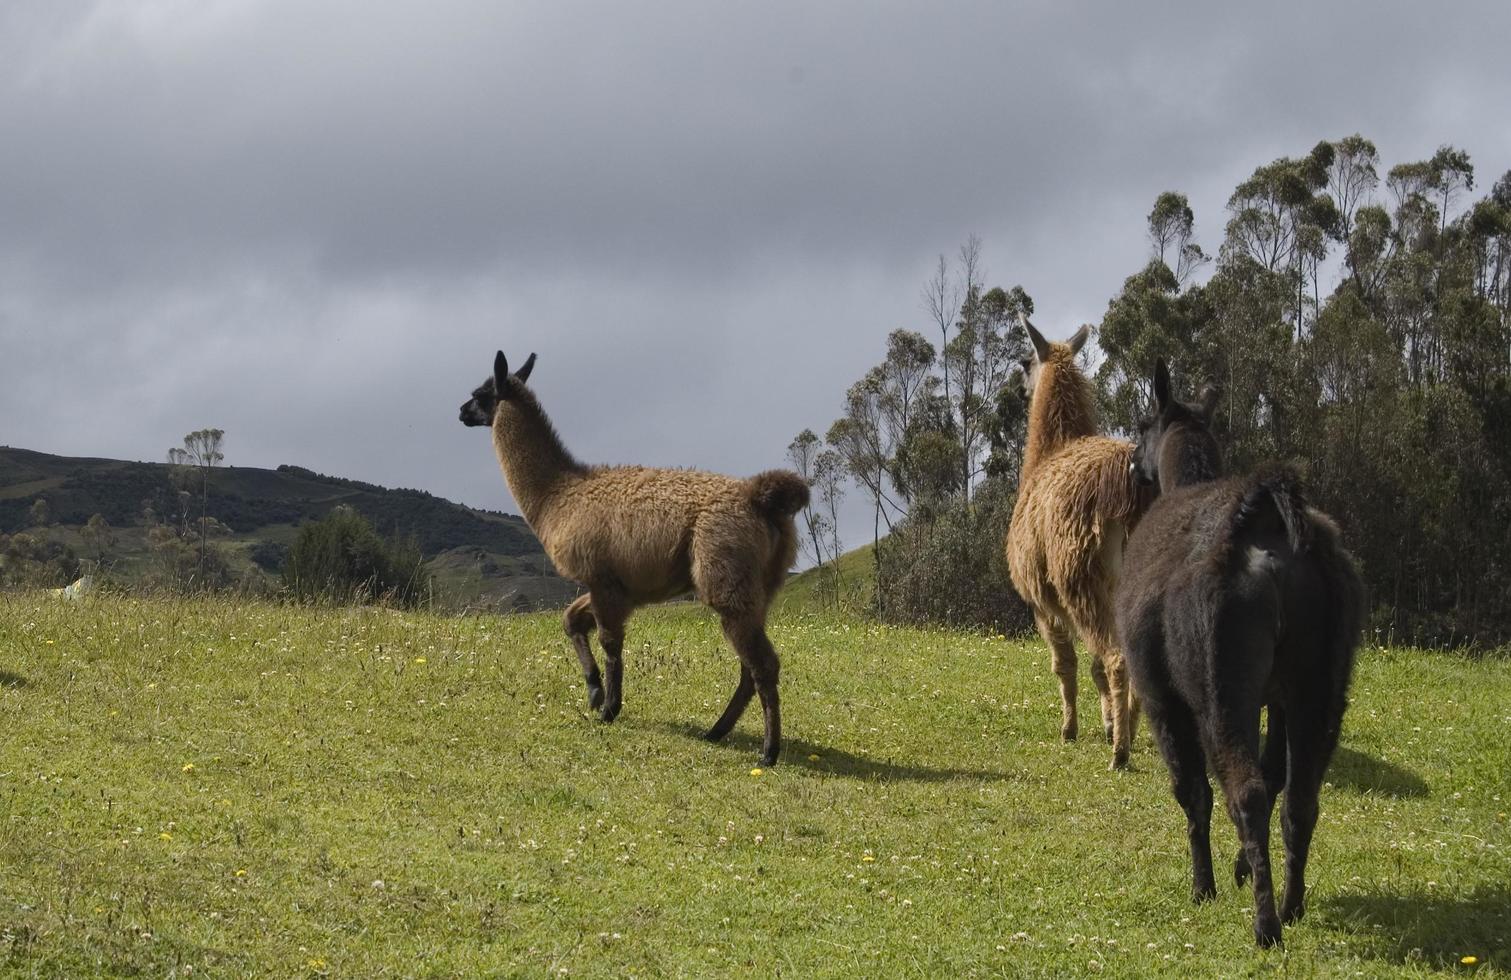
(1172, 229)
(198, 457)
(801, 453)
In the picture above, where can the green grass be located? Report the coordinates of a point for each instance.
(254, 789)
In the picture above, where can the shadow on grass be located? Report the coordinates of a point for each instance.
(1351, 769)
(1427, 928)
(7, 679)
(795, 753)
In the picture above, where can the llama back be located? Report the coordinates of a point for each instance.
(631, 522)
(644, 523)
(1074, 495)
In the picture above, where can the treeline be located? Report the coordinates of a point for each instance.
(1356, 318)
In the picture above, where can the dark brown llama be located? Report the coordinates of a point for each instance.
(1235, 596)
(634, 535)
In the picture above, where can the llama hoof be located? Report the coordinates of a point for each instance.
(1292, 913)
(714, 735)
(1119, 761)
(768, 759)
(1068, 732)
(595, 696)
(609, 713)
(1267, 932)
(1205, 892)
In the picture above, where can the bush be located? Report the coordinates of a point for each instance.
(340, 558)
(182, 563)
(32, 561)
(945, 565)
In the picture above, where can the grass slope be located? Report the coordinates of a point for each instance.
(809, 592)
(276, 791)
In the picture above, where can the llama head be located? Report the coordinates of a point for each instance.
(1046, 352)
(500, 387)
(1173, 419)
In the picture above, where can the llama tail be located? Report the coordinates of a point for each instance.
(1277, 487)
(777, 494)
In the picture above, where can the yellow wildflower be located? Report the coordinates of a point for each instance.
(1469, 960)
(165, 836)
(188, 767)
(419, 660)
(756, 772)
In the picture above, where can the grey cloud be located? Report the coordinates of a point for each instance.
(312, 224)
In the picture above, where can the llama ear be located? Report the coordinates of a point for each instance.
(500, 370)
(1209, 398)
(1079, 340)
(1041, 346)
(523, 373)
(1161, 385)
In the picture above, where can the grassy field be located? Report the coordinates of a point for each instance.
(200, 788)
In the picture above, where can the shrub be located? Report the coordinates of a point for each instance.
(184, 564)
(340, 558)
(31, 561)
(945, 565)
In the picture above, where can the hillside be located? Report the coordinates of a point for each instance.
(479, 557)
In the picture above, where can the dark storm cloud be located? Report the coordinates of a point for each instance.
(310, 224)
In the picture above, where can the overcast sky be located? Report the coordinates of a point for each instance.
(311, 224)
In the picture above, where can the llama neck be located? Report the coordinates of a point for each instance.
(1187, 456)
(1062, 410)
(535, 463)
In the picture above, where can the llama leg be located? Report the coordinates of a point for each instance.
(1175, 732)
(1094, 622)
(1062, 659)
(1311, 741)
(1099, 678)
(747, 634)
(611, 614)
(1121, 694)
(579, 625)
(1237, 763)
(1273, 764)
(743, 693)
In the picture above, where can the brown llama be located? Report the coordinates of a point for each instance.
(1238, 595)
(633, 536)
(1076, 503)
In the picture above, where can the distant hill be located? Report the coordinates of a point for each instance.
(480, 557)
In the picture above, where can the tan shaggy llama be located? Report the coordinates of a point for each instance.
(1077, 501)
(634, 535)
